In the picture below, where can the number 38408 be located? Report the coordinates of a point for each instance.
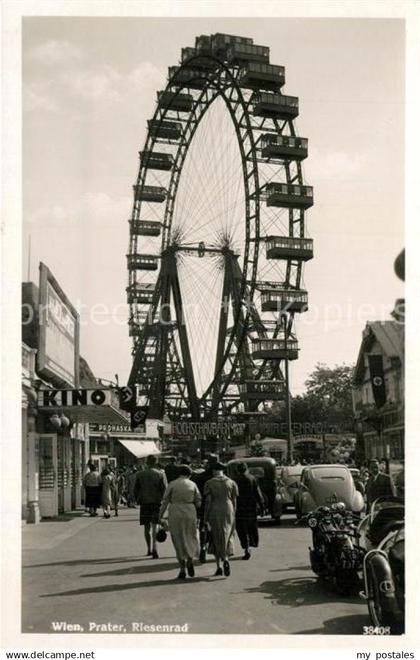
(376, 630)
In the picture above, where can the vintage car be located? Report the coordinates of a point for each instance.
(324, 485)
(264, 469)
(288, 483)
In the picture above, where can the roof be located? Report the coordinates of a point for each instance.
(388, 334)
(86, 375)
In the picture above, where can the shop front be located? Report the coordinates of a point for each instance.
(64, 454)
(117, 445)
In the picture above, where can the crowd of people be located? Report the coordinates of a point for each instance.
(201, 510)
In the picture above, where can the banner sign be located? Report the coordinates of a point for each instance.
(377, 379)
(207, 428)
(138, 416)
(109, 428)
(128, 397)
(79, 397)
(58, 351)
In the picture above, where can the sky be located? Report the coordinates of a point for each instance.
(89, 86)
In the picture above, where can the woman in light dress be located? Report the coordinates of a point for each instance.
(183, 499)
(220, 495)
(108, 488)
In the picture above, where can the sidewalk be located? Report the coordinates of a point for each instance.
(49, 533)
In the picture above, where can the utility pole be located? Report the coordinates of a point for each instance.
(288, 410)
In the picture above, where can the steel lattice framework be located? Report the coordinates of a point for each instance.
(221, 123)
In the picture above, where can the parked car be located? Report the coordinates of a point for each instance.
(264, 469)
(324, 485)
(288, 483)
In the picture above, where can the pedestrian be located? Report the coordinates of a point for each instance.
(250, 500)
(400, 483)
(201, 478)
(93, 489)
(379, 484)
(171, 470)
(122, 487)
(359, 484)
(220, 495)
(116, 491)
(149, 488)
(183, 499)
(131, 480)
(108, 491)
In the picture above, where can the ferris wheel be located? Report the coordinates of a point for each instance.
(217, 235)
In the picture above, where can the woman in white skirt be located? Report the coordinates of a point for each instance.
(183, 498)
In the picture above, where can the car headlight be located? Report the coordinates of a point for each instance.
(312, 522)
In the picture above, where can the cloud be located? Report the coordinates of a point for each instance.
(337, 164)
(103, 86)
(147, 75)
(37, 97)
(56, 52)
(92, 210)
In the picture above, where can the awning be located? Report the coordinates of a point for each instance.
(92, 414)
(140, 448)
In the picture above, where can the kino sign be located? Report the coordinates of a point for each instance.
(79, 397)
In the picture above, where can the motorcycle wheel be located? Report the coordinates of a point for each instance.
(317, 565)
(374, 601)
(380, 615)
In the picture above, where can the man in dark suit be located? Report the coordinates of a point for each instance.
(149, 489)
(379, 484)
(249, 501)
(171, 470)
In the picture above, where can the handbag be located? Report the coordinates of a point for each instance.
(162, 533)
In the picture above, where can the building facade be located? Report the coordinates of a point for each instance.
(378, 393)
(54, 448)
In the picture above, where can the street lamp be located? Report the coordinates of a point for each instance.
(55, 421)
(65, 422)
(288, 411)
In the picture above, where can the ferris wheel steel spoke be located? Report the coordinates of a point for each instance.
(215, 192)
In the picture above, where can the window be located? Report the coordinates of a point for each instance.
(330, 473)
(257, 472)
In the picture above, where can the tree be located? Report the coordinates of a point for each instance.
(332, 385)
(328, 398)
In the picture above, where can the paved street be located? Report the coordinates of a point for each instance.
(82, 570)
